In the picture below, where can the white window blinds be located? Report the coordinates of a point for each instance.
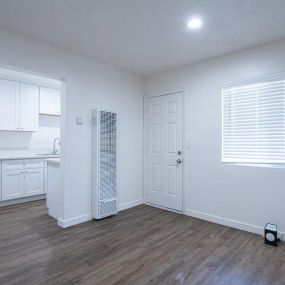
(254, 122)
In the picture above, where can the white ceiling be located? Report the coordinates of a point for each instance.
(146, 36)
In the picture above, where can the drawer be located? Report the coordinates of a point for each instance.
(22, 164)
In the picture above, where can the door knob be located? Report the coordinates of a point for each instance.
(178, 160)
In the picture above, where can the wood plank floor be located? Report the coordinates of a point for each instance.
(142, 245)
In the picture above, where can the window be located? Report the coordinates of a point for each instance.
(254, 122)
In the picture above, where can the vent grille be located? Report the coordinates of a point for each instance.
(104, 163)
(108, 208)
(108, 168)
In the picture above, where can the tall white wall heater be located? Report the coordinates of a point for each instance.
(104, 163)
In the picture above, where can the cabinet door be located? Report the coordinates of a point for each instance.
(49, 101)
(29, 107)
(33, 182)
(58, 103)
(12, 184)
(9, 105)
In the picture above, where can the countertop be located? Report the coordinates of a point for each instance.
(6, 154)
(55, 161)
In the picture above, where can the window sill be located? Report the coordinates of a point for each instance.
(267, 165)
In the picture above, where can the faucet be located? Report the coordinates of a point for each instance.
(56, 149)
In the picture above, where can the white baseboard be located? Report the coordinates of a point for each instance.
(22, 200)
(224, 221)
(227, 222)
(193, 213)
(73, 221)
(87, 217)
(131, 204)
(163, 208)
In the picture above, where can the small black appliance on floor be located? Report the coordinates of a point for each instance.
(270, 234)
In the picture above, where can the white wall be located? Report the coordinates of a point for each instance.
(89, 84)
(49, 128)
(230, 194)
(241, 196)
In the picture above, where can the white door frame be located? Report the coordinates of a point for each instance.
(146, 97)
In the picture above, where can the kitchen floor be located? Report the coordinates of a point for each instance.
(142, 245)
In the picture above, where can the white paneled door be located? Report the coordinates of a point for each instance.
(163, 151)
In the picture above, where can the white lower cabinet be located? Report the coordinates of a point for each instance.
(33, 182)
(24, 181)
(53, 189)
(12, 184)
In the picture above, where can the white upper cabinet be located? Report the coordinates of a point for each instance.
(50, 101)
(19, 106)
(29, 107)
(21, 102)
(9, 105)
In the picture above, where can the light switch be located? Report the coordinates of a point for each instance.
(79, 121)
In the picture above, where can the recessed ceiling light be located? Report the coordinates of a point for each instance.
(194, 23)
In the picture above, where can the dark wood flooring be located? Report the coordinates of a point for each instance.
(142, 245)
